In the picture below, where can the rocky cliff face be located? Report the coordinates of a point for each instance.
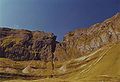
(83, 41)
(25, 45)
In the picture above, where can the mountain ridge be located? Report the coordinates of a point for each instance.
(75, 43)
(85, 55)
(83, 41)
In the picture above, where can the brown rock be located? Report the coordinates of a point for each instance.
(26, 45)
(84, 40)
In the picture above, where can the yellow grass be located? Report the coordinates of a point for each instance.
(103, 66)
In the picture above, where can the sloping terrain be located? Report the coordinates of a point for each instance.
(85, 40)
(85, 55)
(104, 68)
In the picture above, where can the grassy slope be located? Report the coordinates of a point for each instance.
(107, 69)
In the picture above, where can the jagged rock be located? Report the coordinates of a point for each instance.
(26, 45)
(84, 40)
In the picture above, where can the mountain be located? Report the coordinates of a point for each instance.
(85, 55)
(85, 40)
(99, 66)
(26, 45)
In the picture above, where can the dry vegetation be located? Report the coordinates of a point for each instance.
(102, 65)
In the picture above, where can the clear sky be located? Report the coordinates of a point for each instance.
(57, 16)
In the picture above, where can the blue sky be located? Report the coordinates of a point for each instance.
(57, 16)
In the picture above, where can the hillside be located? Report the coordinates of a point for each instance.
(85, 55)
(20, 44)
(85, 40)
(104, 68)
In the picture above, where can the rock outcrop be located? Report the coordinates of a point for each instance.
(85, 40)
(26, 45)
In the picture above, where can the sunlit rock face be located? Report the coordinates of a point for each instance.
(38, 45)
(82, 41)
(26, 45)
